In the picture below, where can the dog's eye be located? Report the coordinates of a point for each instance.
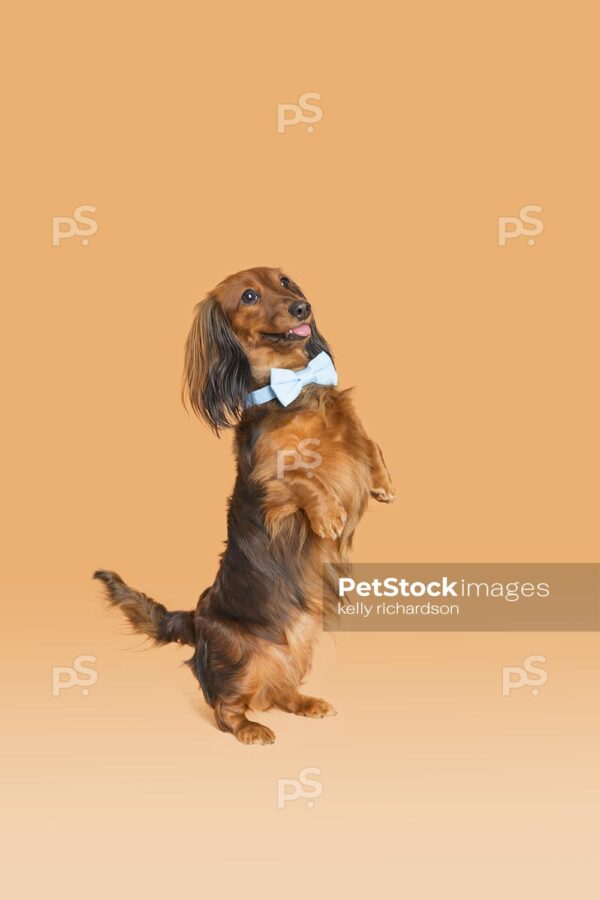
(285, 281)
(250, 296)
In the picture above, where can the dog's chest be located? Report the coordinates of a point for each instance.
(334, 449)
(319, 439)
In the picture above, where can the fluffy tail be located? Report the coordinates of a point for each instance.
(146, 615)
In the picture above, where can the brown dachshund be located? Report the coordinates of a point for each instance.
(253, 630)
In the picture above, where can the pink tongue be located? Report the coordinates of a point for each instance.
(301, 330)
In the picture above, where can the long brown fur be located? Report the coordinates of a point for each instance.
(254, 628)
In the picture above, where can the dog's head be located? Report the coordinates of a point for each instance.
(252, 322)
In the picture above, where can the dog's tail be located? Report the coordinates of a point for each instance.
(147, 616)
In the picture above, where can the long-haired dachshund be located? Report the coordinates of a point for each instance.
(255, 360)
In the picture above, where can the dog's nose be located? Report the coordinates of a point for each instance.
(299, 309)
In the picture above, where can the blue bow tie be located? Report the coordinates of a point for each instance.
(286, 384)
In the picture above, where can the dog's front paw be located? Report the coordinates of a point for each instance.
(329, 520)
(382, 495)
(383, 490)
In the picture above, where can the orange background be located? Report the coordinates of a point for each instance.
(476, 370)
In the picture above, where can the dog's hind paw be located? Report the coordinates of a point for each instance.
(315, 708)
(255, 733)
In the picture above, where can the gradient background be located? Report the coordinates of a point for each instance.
(476, 369)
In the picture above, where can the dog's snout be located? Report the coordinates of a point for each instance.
(299, 309)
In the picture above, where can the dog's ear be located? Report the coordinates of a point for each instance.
(217, 376)
(317, 343)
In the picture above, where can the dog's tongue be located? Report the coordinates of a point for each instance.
(301, 330)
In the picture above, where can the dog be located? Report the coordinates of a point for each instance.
(255, 360)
